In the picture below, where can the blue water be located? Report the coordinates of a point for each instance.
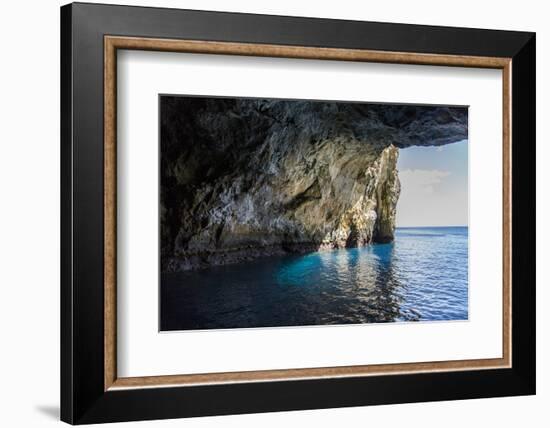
(421, 276)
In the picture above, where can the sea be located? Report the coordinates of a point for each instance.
(421, 276)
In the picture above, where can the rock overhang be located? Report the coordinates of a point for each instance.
(242, 178)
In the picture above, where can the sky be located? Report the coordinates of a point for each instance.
(434, 186)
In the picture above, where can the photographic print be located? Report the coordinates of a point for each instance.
(282, 213)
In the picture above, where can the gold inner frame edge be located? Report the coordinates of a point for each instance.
(113, 43)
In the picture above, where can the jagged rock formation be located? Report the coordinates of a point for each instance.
(242, 178)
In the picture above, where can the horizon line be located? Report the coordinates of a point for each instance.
(416, 227)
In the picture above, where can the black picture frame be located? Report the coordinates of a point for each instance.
(83, 397)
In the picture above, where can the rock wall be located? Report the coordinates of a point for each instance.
(243, 178)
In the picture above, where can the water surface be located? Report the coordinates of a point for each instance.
(421, 276)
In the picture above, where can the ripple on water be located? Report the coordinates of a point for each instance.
(421, 276)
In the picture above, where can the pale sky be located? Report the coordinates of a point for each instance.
(434, 186)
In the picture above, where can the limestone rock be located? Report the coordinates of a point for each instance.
(243, 178)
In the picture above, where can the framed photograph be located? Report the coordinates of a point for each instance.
(266, 213)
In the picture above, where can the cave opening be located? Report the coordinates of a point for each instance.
(434, 186)
(243, 178)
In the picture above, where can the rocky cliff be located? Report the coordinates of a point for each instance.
(243, 178)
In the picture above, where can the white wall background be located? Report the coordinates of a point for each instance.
(29, 214)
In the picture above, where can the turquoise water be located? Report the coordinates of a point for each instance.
(421, 276)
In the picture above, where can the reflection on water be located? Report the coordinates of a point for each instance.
(423, 275)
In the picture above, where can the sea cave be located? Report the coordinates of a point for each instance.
(247, 178)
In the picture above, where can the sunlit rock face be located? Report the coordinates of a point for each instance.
(244, 178)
